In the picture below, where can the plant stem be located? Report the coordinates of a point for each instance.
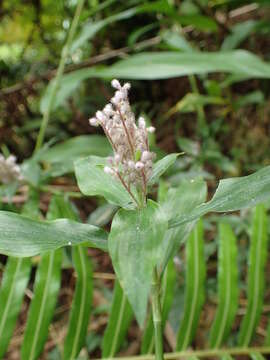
(55, 83)
(201, 353)
(157, 317)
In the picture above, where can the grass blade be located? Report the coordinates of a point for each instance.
(15, 280)
(168, 282)
(227, 286)
(195, 290)
(120, 318)
(81, 304)
(256, 276)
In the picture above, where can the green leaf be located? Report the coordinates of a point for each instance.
(92, 180)
(167, 64)
(161, 166)
(15, 280)
(256, 276)
(46, 288)
(135, 246)
(90, 29)
(227, 287)
(168, 284)
(62, 156)
(195, 287)
(257, 356)
(22, 237)
(164, 65)
(239, 33)
(120, 318)
(180, 201)
(231, 195)
(81, 304)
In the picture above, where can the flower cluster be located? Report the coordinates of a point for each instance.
(132, 163)
(9, 170)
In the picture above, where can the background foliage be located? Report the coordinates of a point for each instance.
(200, 74)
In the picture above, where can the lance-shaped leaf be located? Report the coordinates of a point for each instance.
(21, 236)
(15, 280)
(194, 287)
(227, 286)
(120, 318)
(180, 201)
(168, 283)
(231, 195)
(256, 276)
(93, 181)
(161, 166)
(46, 288)
(81, 304)
(135, 246)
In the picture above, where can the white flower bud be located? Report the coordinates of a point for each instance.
(108, 110)
(141, 122)
(94, 122)
(101, 116)
(151, 129)
(146, 155)
(127, 86)
(108, 170)
(139, 165)
(117, 158)
(116, 84)
(131, 164)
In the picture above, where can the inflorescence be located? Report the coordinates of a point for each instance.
(132, 162)
(9, 170)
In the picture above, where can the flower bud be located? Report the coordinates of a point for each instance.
(94, 122)
(116, 84)
(139, 165)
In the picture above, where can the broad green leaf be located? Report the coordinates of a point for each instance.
(120, 318)
(232, 194)
(181, 200)
(164, 65)
(46, 288)
(22, 237)
(62, 156)
(168, 283)
(256, 276)
(15, 280)
(227, 286)
(136, 247)
(194, 289)
(92, 180)
(81, 304)
(168, 64)
(161, 166)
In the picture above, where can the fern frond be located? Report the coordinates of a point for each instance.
(227, 286)
(256, 276)
(195, 287)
